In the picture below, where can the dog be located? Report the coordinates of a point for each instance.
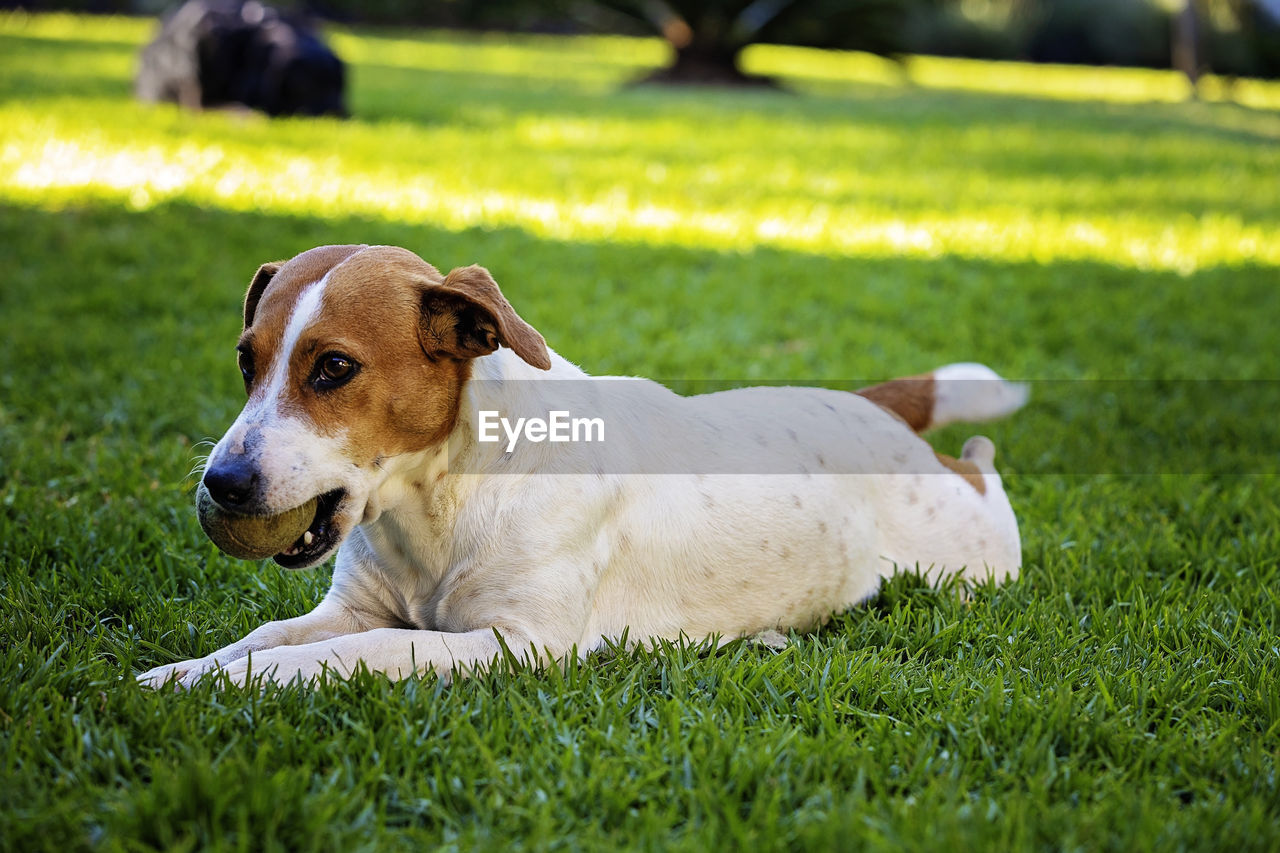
(374, 384)
(230, 53)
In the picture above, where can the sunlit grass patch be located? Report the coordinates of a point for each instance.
(600, 61)
(642, 195)
(825, 70)
(67, 27)
(573, 157)
(59, 171)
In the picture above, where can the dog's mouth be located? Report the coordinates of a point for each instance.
(321, 537)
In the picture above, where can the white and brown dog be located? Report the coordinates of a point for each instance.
(726, 514)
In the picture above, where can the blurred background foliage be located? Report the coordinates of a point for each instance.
(1231, 37)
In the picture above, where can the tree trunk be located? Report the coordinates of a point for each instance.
(1187, 56)
(706, 68)
(705, 55)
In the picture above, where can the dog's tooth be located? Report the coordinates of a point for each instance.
(308, 537)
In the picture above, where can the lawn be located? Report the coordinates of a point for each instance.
(1086, 229)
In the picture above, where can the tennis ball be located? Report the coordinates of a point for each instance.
(252, 537)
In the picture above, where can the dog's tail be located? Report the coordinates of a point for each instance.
(957, 392)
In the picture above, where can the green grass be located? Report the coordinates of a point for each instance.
(1059, 224)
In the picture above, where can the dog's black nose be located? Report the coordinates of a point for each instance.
(232, 484)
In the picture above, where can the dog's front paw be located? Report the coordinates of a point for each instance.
(177, 675)
(281, 666)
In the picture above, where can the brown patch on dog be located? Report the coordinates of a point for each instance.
(910, 398)
(272, 295)
(291, 277)
(965, 468)
(412, 333)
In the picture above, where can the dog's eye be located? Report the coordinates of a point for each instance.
(333, 369)
(245, 359)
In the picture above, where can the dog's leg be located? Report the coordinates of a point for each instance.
(394, 652)
(543, 623)
(330, 619)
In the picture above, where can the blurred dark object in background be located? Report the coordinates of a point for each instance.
(1101, 32)
(707, 36)
(218, 53)
(1238, 38)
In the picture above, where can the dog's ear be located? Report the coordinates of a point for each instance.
(466, 316)
(261, 279)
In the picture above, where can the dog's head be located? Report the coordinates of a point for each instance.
(352, 356)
